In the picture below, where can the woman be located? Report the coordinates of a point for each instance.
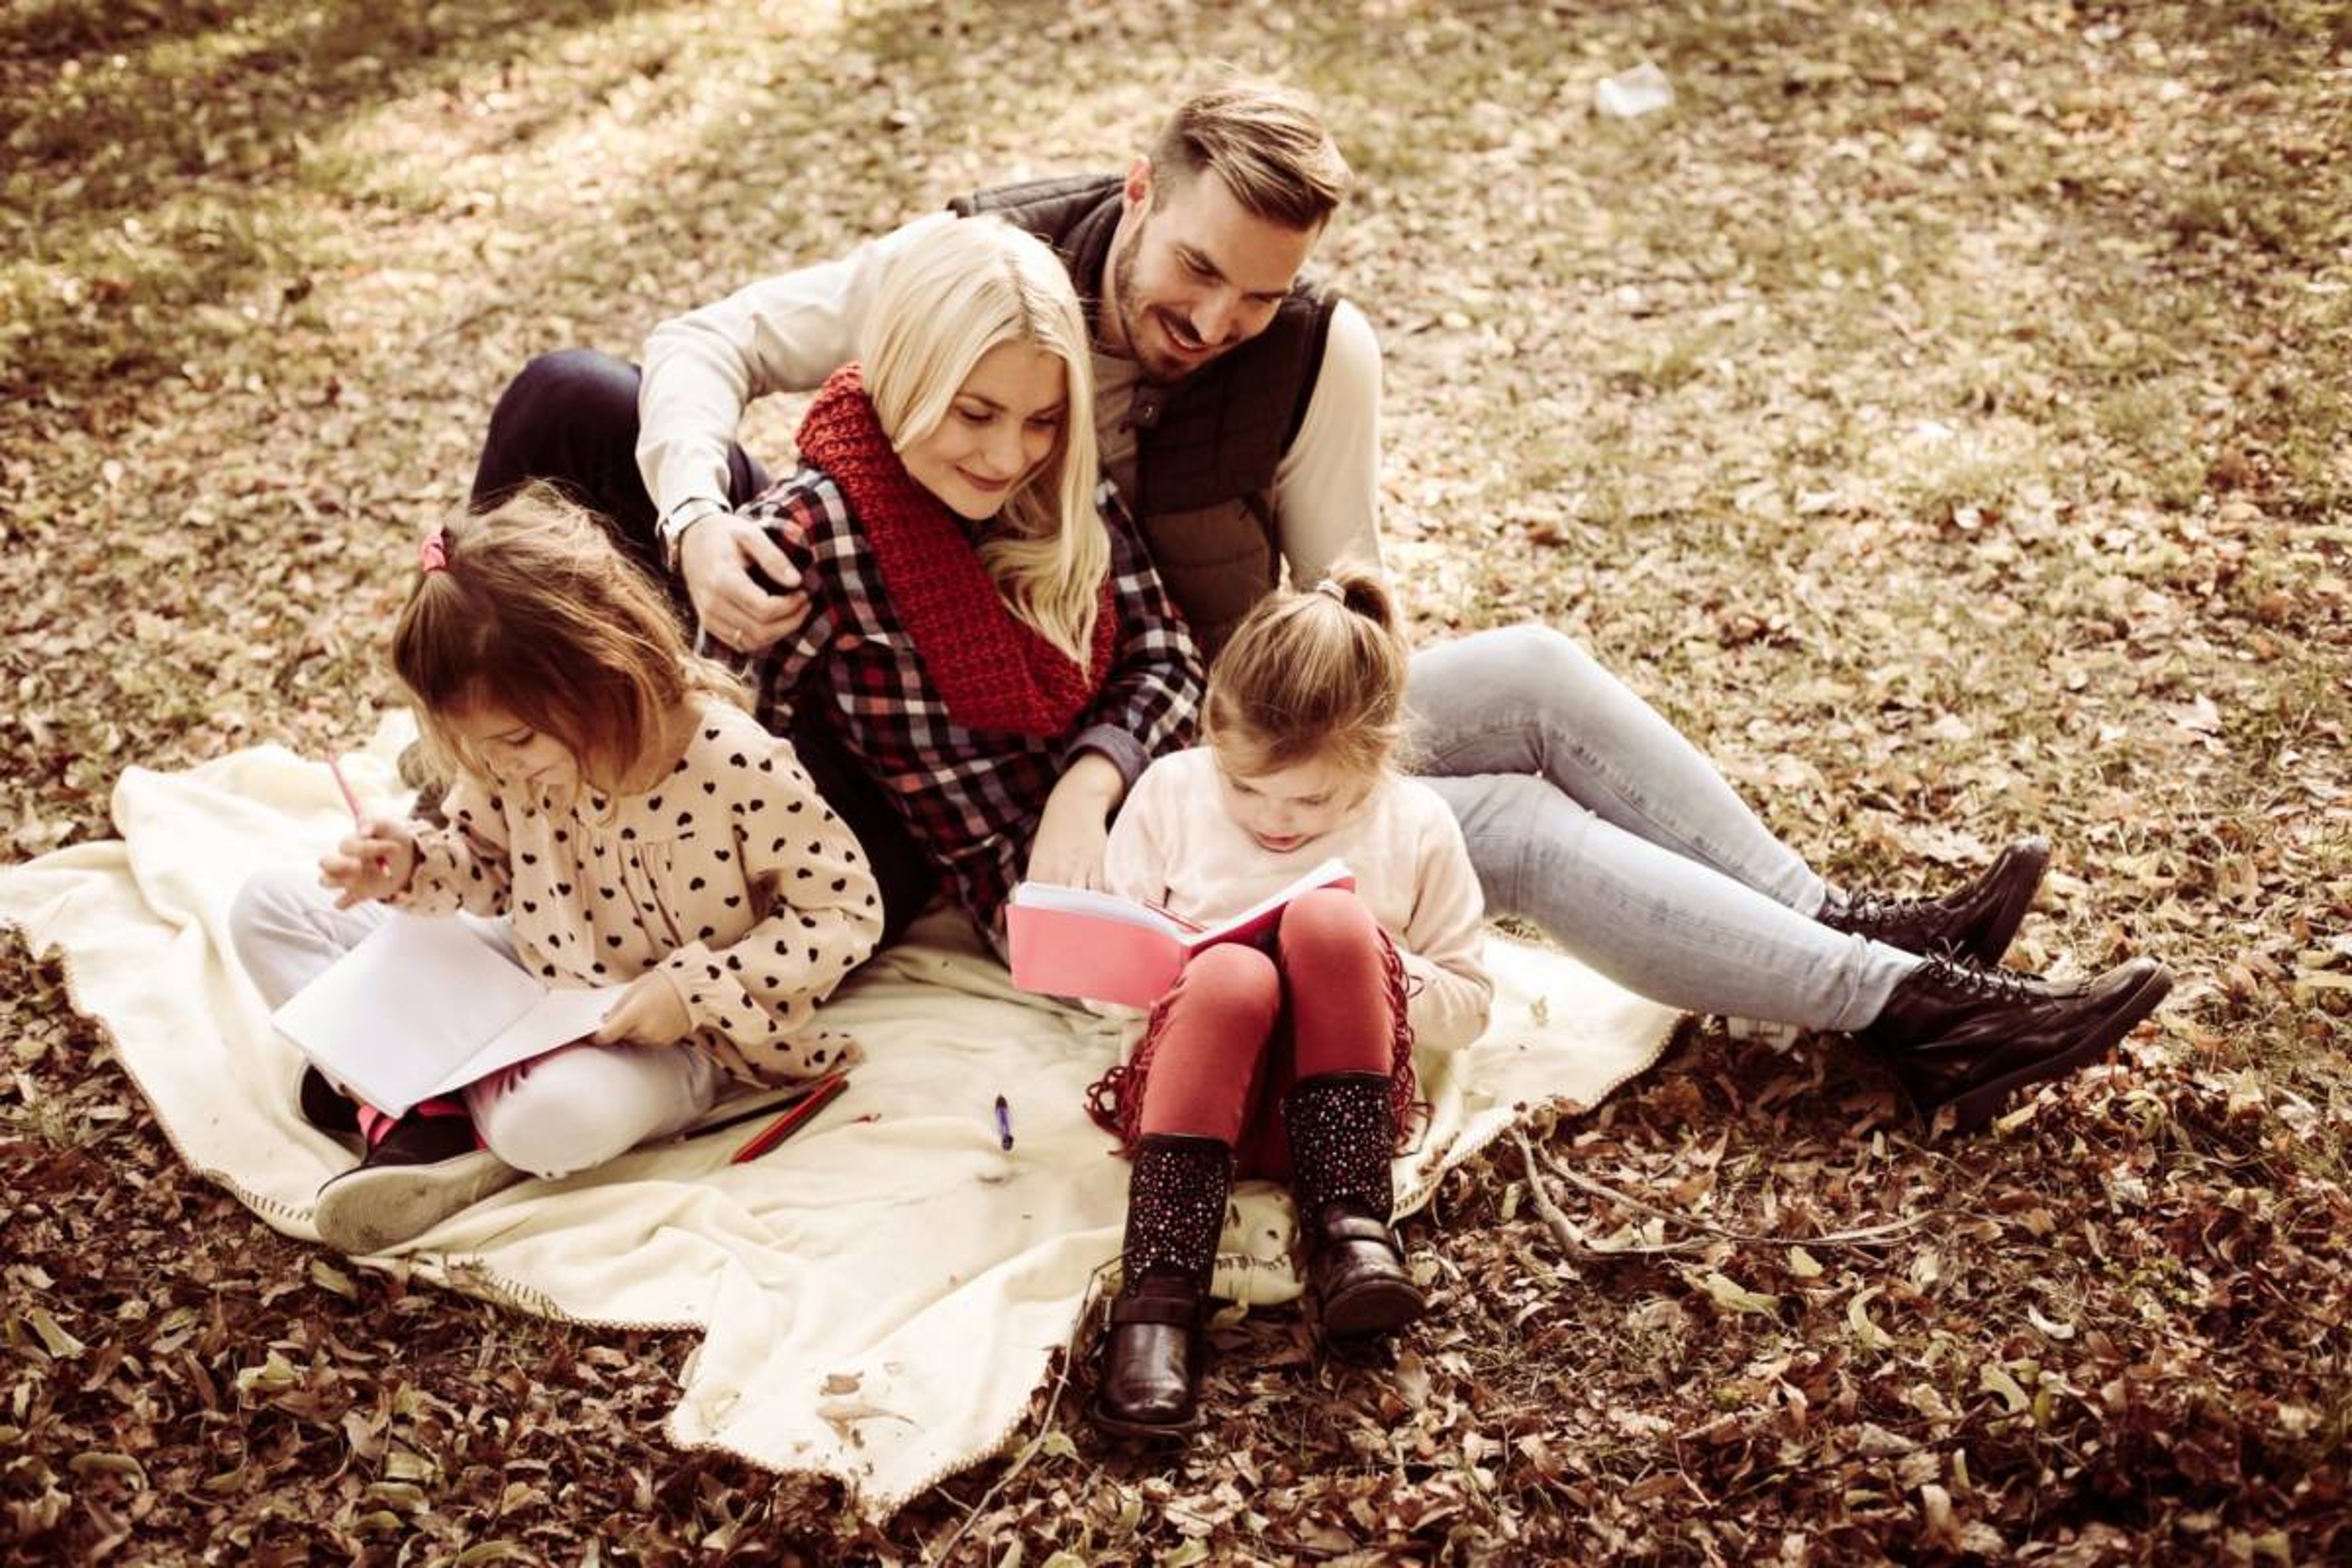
(989, 642)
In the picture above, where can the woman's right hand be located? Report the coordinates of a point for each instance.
(375, 862)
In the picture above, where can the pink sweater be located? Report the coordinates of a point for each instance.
(1174, 846)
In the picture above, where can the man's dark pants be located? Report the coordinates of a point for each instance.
(571, 418)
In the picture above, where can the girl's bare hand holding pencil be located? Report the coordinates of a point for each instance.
(374, 862)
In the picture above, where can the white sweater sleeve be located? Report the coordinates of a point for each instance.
(1327, 490)
(1442, 951)
(785, 333)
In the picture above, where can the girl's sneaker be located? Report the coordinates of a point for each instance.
(418, 1175)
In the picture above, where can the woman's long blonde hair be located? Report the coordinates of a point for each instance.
(531, 608)
(976, 284)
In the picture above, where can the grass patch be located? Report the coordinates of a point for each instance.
(165, 167)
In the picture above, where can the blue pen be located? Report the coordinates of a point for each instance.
(1003, 1123)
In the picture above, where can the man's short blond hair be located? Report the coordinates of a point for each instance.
(1265, 143)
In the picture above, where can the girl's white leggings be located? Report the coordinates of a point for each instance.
(553, 1115)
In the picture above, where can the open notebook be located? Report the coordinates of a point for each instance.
(424, 1007)
(1073, 941)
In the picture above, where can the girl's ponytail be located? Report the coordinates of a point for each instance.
(1363, 592)
(1314, 674)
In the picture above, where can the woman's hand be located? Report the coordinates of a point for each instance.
(375, 862)
(649, 1013)
(1075, 826)
(718, 557)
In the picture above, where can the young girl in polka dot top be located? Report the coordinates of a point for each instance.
(621, 817)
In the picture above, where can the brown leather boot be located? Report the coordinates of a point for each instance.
(1342, 1130)
(1152, 1353)
(1968, 1038)
(1975, 923)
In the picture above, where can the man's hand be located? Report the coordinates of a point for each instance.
(716, 556)
(1075, 826)
(649, 1013)
(375, 862)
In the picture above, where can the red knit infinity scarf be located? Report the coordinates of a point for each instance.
(992, 671)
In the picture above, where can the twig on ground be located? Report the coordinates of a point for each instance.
(1563, 1229)
(1858, 1236)
(1572, 1238)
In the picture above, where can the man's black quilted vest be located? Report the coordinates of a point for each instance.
(1206, 446)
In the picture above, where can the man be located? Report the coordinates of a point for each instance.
(1236, 407)
(1238, 410)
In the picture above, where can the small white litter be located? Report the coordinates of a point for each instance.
(1631, 94)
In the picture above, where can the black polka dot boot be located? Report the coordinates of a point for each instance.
(1342, 1129)
(1152, 1353)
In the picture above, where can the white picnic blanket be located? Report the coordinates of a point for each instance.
(880, 1296)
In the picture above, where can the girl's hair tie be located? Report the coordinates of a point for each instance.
(1330, 585)
(433, 552)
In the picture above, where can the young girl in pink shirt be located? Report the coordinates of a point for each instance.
(1294, 1058)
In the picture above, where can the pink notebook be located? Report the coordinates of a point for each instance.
(1069, 941)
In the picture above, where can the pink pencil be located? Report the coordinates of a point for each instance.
(359, 818)
(335, 766)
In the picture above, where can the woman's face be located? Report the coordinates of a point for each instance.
(999, 430)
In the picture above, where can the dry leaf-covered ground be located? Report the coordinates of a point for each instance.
(1941, 411)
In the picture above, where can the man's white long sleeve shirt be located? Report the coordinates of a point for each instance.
(788, 332)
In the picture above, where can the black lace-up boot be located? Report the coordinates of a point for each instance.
(1152, 1352)
(1342, 1130)
(1968, 1038)
(1975, 923)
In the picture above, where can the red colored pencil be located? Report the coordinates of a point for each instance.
(794, 1115)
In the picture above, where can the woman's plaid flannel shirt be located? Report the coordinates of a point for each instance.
(972, 798)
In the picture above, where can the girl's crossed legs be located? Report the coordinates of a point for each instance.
(566, 1111)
